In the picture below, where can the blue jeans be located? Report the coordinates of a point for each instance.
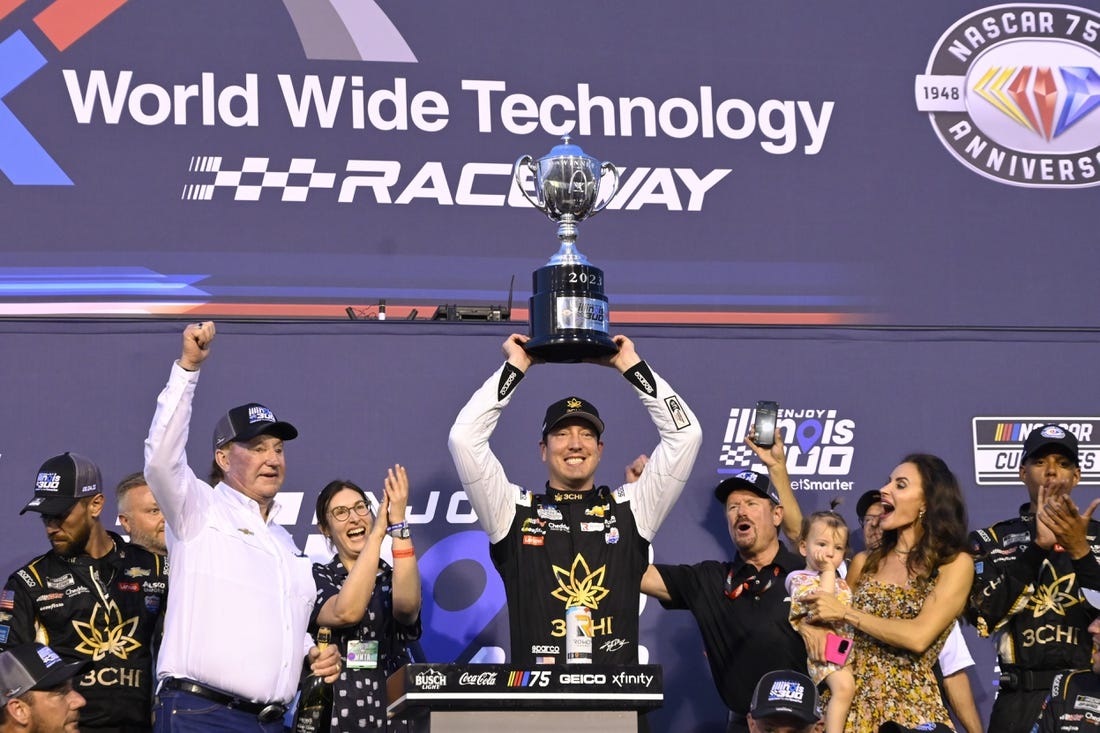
(181, 712)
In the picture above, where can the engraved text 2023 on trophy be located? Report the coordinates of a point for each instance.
(569, 318)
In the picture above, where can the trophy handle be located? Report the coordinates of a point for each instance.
(525, 161)
(614, 189)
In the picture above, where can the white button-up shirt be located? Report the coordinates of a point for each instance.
(241, 593)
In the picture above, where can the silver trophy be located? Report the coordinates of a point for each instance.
(568, 308)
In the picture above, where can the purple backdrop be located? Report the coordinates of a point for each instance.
(368, 394)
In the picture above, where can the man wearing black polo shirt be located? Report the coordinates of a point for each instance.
(741, 606)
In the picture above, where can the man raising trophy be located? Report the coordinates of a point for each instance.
(573, 549)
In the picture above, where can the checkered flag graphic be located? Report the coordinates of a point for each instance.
(249, 182)
(737, 455)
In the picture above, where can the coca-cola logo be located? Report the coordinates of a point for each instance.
(482, 679)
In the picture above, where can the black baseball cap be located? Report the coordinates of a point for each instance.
(752, 481)
(63, 481)
(571, 408)
(245, 422)
(869, 497)
(1052, 437)
(892, 727)
(33, 666)
(785, 692)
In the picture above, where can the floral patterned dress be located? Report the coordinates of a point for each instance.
(893, 684)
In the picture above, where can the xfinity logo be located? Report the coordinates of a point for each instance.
(625, 678)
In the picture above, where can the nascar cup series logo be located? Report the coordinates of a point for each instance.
(818, 444)
(999, 444)
(1013, 90)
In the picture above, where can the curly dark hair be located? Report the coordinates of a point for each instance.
(944, 521)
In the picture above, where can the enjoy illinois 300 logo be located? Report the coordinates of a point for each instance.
(1012, 91)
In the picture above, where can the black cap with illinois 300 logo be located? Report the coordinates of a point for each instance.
(63, 481)
(245, 422)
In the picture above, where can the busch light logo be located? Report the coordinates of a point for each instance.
(48, 481)
(819, 443)
(431, 679)
(258, 413)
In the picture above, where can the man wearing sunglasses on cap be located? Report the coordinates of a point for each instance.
(742, 606)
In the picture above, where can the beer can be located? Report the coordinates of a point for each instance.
(578, 635)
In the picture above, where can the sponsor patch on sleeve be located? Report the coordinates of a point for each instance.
(677, 412)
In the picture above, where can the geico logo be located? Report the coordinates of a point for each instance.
(112, 677)
(583, 679)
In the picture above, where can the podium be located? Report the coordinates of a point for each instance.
(472, 698)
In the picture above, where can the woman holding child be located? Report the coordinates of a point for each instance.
(906, 594)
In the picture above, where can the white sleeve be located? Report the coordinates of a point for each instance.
(955, 655)
(490, 493)
(181, 495)
(656, 491)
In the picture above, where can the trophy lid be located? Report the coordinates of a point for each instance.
(567, 149)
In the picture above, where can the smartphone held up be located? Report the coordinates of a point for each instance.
(764, 424)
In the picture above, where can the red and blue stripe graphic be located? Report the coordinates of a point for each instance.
(22, 158)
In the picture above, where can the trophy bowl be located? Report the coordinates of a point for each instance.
(569, 314)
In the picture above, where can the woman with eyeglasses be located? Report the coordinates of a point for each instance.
(907, 593)
(373, 608)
